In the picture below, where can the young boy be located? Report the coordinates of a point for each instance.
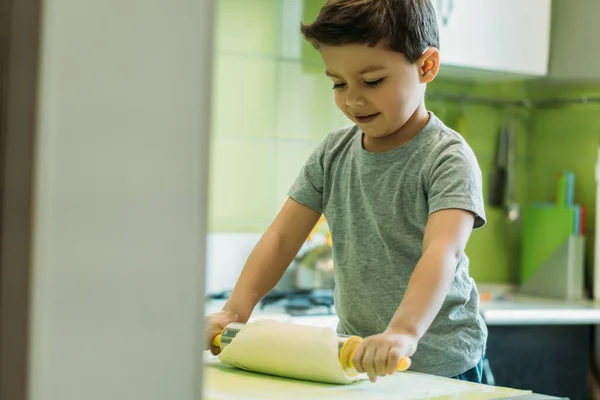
(401, 193)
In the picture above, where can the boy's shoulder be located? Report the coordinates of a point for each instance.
(443, 139)
(443, 134)
(337, 139)
(342, 134)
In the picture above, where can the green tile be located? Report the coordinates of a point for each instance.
(543, 90)
(566, 137)
(270, 113)
(493, 249)
(242, 189)
(247, 26)
(290, 159)
(290, 38)
(311, 10)
(244, 97)
(481, 131)
(306, 108)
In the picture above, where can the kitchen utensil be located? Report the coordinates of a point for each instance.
(314, 268)
(545, 228)
(496, 195)
(313, 265)
(513, 210)
(347, 346)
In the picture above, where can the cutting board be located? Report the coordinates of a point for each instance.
(545, 229)
(222, 382)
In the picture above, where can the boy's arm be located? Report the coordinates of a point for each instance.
(446, 236)
(270, 257)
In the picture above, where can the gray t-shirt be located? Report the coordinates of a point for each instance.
(376, 206)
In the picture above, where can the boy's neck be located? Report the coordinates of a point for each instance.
(409, 130)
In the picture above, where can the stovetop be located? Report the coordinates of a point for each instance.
(296, 302)
(301, 302)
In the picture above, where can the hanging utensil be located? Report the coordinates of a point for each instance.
(497, 188)
(513, 210)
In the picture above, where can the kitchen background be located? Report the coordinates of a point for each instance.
(522, 68)
(273, 104)
(103, 180)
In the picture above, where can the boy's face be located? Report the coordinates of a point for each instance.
(375, 87)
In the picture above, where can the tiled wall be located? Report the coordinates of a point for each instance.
(490, 249)
(566, 137)
(273, 105)
(270, 111)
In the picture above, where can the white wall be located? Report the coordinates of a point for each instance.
(226, 254)
(120, 200)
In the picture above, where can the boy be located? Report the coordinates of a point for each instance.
(401, 193)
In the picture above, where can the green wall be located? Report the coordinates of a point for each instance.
(565, 137)
(490, 249)
(272, 106)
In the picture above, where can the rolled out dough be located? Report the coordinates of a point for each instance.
(288, 350)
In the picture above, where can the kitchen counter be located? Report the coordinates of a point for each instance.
(278, 313)
(523, 310)
(498, 307)
(505, 306)
(552, 332)
(521, 328)
(224, 382)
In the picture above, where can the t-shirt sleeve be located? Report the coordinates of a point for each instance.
(307, 189)
(456, 182)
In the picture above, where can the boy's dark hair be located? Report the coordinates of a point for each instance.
(407, 26)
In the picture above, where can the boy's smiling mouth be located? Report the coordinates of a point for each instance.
(363, 119)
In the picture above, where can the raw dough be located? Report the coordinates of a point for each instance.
(288, 350)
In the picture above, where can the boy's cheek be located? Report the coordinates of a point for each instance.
(340, 103)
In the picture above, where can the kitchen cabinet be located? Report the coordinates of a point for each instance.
(502, 36)
(478, 38)
(532, 339)
(551, 359)
(575, 31)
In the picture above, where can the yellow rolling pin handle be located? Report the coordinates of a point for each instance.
(217, 341)
(347, 353)
(221, 340)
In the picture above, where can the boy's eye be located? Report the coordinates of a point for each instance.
(338, 85)
(375, 83)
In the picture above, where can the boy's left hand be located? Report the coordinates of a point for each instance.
(379, 354)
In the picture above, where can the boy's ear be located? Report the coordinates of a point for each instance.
(429, 64)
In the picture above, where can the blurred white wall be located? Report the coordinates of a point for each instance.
(120, 200)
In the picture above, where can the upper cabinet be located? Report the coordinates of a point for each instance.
(478, 38)
(491, 39)
(575, 54)
(501, 36)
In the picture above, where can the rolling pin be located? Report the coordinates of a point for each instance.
(346, 348)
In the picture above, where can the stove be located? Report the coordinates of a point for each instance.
(295, 302)
(307, 302)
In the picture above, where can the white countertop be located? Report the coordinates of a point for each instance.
(508, 307)
(278, 313)
(224, 382)
(498, 307)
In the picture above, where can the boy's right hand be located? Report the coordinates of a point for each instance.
(215, 323)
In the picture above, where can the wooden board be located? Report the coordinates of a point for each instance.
(222, 382)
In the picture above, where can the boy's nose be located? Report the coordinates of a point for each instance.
(354, 98)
